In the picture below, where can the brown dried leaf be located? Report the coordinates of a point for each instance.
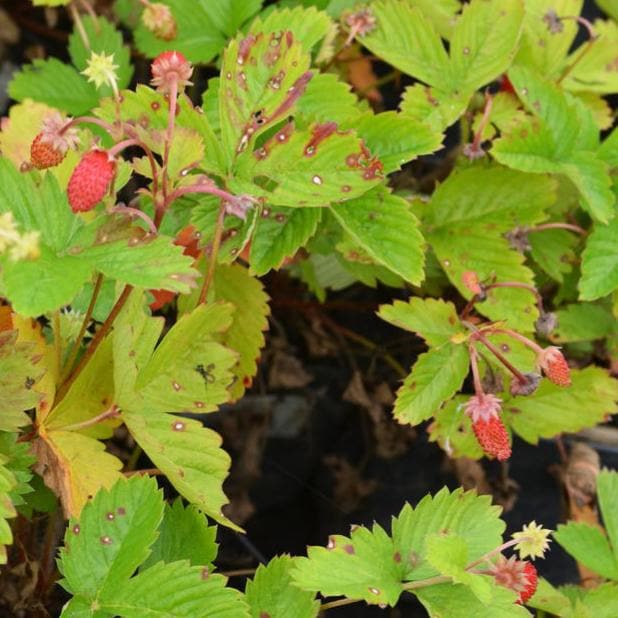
(350, 487)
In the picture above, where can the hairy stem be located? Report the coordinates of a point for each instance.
(112, 412)
(212, 261)
(79, 25)
(557, 225)
(522, 286)
(131, 212)
(96, 341)
(474, 364)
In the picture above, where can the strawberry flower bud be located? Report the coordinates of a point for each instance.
(159, 20)
(90, 180)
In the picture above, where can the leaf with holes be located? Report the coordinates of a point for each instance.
(384, 226)
(554, 410)
(262, 77)
(308, 167)
(436, 376)
(271, 592)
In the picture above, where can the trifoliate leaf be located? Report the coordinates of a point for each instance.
(471, 517)
(57, 84)
(233, 285)
(552, 142)
(465, 222)
(436, 376)
(554, 409)
(103, 38)
(363, 566)
(184, 534)
(111, 538)
(271, 592)
(600, 262)
(384, 226)
(432, 319)
(279, 233)
(189, 455)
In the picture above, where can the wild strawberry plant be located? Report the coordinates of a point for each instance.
(135, 225)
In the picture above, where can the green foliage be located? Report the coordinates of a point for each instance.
(587, 544)
(600, 262)
(111, 539)
(271, 592)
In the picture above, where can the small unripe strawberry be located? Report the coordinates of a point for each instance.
(43, 154)
(518, 575)
(158, 18)
(493, 437)
(168, 68)
(90, 180)
(554, 366)
(532, 577)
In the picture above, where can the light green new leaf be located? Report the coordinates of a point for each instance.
(432, 319)
(554, 409)
(111, 538)
(189, 370)
(279, 233)
(557, 141)
(103, 39)
(413, 138)
(184, 534)
(176, 589)
(262, 76)
(436, 376)
(19, 373)
(245, 335)
(448, 554)
(57, 84)
(271, 592)
(308, 167)
(458, 601)
(189, 455)
(469, 516)
(363, 566)
(600, 262)
(433, 106)
(384, 226)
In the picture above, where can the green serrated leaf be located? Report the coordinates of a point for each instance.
(111, 538)
(279, 234)
(600, 262)
(384, 226)
(434, 320)
(184, 534)
(57, 84)
(328, 99)
(436, 376)
(554, 410)
(362, 567)
(186, 151)
(271, 592)
(189, 455)
(471, 517)
(553, 251)
(583, 322)
(245, 335)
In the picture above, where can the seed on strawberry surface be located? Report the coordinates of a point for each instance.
(493, 437)
(554, 366)
(90, 180)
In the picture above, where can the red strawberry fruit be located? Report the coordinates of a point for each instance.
(493, 437)
(90, 180)
(43, 154)
(532, 578)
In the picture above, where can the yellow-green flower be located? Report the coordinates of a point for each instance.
(533, 541)
(101, 70)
